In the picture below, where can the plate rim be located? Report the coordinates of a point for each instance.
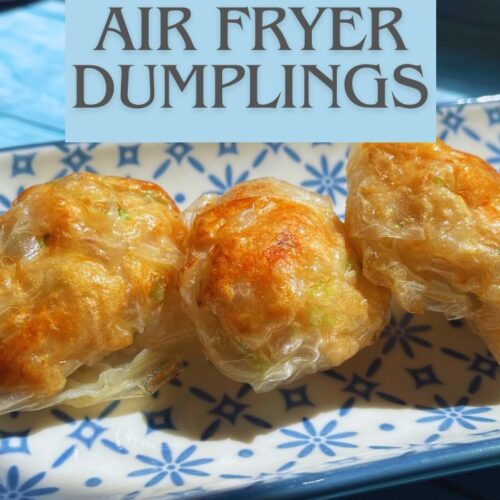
(378, 474)
(411, 467)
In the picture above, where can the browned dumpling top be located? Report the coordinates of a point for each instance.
(273, 286)
(89, 269)
(426, 220)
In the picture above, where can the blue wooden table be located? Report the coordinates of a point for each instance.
(32, 111)
(32, 63)
(32, 73)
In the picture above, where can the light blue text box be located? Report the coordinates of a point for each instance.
(115, 122)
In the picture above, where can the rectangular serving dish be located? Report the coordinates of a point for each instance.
(422, 402)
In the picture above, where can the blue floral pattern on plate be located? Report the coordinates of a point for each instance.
(427, 387)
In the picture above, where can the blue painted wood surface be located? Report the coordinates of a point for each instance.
(32, 63)
(32, 73)
(32, 111)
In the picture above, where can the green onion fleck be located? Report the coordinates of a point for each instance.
(123, 214)
(258, 362)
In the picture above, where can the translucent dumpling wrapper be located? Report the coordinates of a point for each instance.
(89, 301)
(272, 285)
(426, 220)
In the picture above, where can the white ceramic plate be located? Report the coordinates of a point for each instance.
(424, 400)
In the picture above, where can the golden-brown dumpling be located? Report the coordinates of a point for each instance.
(426, 220)
(89, 302)
(273, 287)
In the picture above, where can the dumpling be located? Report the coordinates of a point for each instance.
(426, 220)
(89, 300)
(272, 285)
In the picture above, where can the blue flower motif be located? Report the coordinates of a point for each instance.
(424, 376)
(482, 367)
(222, 185)
(296, 397)
(327, 180)
(167, 466)
(159, 420)
(23, 164)
(227, 409)
(275, 147)
(453, 122)
(128, 155)
(493, 115)
(88, 432)
(362, 387)
(448, 415)
(403, 334)
(14, 442)
(178, 151)
(13, 489)
(309, 440)
(77, 159)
